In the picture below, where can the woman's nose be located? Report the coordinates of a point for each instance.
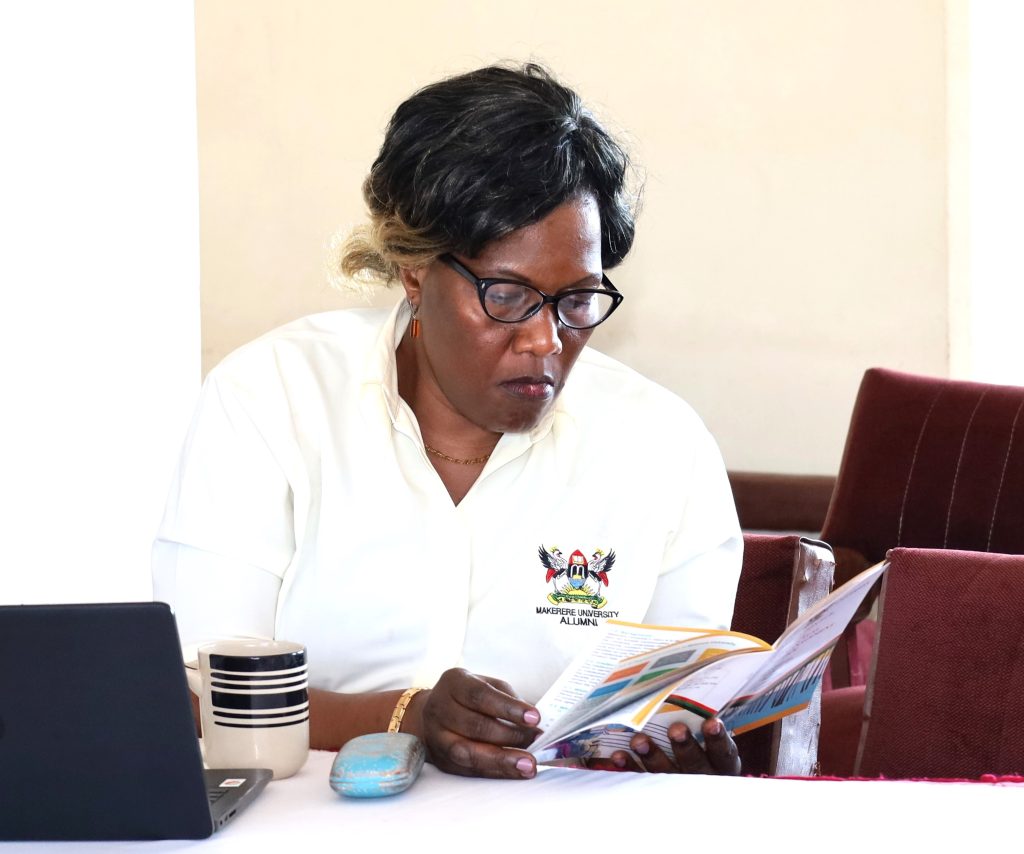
(539, 334)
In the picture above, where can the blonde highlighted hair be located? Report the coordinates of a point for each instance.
(373, 253)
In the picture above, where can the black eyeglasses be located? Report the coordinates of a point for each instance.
(511, 302)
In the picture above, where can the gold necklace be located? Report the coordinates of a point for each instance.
(475, 461)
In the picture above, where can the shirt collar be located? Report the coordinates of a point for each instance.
(382, 365)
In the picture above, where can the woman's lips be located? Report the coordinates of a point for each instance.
(530, 388)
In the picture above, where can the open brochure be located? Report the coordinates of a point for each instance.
(637, 677)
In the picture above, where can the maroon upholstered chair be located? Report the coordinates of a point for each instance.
(928, 463)
(789, 503)
(782, 577)
(944, 697)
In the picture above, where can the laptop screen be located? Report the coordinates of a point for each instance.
(97, 739)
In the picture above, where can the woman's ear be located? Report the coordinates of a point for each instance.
(412, 282)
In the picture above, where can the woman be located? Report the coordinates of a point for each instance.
(459, 487)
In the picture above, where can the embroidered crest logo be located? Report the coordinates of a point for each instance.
(576, 579)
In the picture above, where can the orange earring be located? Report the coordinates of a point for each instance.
(414, 324)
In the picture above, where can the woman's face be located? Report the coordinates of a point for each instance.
(504, 377)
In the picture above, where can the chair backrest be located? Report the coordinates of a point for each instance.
(944, 696)
(784, 503)
(929, 463)
(782, 577)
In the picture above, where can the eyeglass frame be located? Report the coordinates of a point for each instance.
(482, 284)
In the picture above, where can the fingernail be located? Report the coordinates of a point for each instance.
(679, 734)
(532, 717)
(619, 761)
(714, 727)
(525, 766)
(643, 747)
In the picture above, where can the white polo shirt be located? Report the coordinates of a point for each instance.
(305, 508)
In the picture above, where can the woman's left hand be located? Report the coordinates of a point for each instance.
(718, 756)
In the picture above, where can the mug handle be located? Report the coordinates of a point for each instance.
(194, 677)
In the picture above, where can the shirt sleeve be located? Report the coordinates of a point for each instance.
(703, 555)
(227, 535)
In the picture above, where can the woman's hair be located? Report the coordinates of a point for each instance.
(474, 157)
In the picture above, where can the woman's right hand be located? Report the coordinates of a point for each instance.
(472, 725)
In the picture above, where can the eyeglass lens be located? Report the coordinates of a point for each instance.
(511, 302)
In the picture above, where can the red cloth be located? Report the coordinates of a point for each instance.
(998, 779)
(860, 643)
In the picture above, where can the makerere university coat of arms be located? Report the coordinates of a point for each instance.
(576, 579)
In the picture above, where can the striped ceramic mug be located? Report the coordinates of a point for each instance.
(254, 705)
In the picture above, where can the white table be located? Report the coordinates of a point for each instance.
(563, 810)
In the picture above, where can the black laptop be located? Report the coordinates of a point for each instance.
(97, 739)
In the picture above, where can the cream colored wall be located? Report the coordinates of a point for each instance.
(794, 230)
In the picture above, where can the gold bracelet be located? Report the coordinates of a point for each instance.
(400, 707)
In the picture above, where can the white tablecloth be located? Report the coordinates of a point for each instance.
(562, 810)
